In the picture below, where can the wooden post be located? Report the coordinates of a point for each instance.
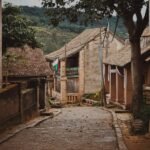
(0, 43)
(63, 81)
(38, 94)
(149, 127)
(81, 73)
(21, 103)
(103, 96)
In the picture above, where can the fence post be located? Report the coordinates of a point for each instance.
(38, 94)
(21, 103)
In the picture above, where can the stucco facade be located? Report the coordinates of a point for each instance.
(118, 74)
(83, 65)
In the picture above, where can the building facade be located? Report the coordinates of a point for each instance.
(79, 65)
(118, 74)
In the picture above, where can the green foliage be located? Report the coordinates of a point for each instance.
(36, 14)
(145, 112)
(16, 29)
(93, 96)
(40, 18)
(94, 10)
(53, 38)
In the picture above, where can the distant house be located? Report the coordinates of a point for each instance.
(28, 65)
(117, 72)
(78, 66)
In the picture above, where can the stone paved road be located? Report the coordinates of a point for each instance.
(77, 128)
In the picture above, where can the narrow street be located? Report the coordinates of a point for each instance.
(76, 128)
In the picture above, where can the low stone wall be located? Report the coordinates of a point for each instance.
(9, 104)
(18, 103)
(29, 104)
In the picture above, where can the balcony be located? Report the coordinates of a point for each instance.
(72, 72)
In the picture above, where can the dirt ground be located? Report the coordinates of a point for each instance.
(140, 142)
(76, 128)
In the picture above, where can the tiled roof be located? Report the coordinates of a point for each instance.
(123, 57)
(75, 44)
(146, 32)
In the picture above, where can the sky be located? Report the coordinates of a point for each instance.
(24, 2)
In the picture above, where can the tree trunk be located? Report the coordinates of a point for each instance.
(0, 43)
(137, 77)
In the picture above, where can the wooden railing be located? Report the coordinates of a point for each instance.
(146, 93)
(70, 72)
(72, 98)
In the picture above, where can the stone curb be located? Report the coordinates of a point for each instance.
(9, 134)
(120, 141)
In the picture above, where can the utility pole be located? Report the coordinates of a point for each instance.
(0, 43)
(101, 69)
(149, 14)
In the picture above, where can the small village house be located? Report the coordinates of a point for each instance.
(117, 73)
(26, 75)
(27, 64)
(78, 65)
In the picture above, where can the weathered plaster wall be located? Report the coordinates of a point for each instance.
(112, 46)
(92, 68)
(92, 61)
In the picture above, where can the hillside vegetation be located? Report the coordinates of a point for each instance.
(54, 38)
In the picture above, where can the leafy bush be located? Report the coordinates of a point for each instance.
(145, 116)
(93, 96)
(145, 112)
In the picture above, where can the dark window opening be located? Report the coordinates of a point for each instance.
(73, 61)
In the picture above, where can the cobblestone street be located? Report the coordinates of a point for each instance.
(76, 128)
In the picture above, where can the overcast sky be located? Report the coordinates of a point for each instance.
(24, 2)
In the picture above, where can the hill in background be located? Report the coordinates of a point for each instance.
(54, 38)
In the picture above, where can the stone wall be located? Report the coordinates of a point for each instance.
(18, 103)
(9, 103)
